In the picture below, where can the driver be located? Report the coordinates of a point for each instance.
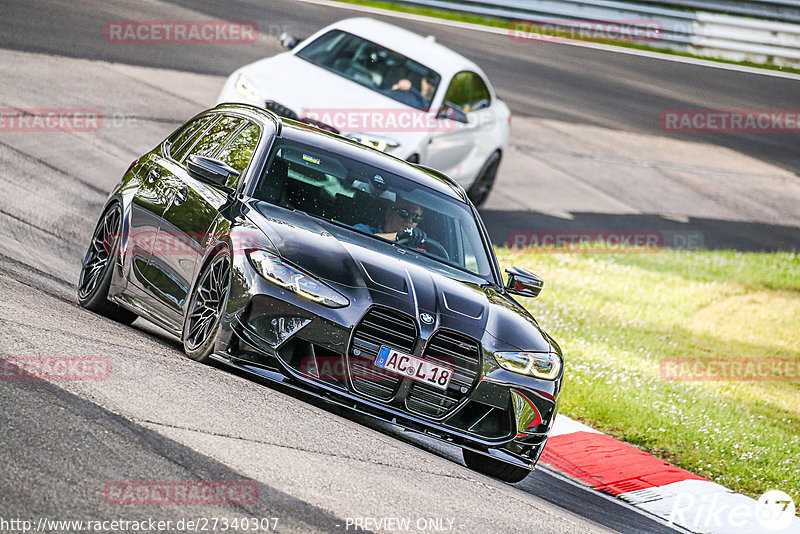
(400, 224)
(426, 89)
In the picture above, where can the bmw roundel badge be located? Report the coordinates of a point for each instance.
(426, 318)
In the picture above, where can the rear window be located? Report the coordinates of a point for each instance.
(216, 136)
(184, 134)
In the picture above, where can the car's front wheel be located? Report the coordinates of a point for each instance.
(494, 468)
(206, 305)
(98, 267)
(479, 190)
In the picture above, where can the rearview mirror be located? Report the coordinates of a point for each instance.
(211, 171)
(523, 283)
(289, 41)
(451, 112)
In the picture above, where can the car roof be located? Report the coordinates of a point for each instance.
(338, 144)
(424, 50)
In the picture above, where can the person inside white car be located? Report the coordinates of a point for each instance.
(426, 89)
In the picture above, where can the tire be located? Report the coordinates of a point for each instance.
(494, 468)
(479, 190)
(98, 267)
(204, 312)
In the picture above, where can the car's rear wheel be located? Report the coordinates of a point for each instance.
(494, 468)
(98, 266)
(206, 305)
(479, 190)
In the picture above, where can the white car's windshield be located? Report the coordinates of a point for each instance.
(373, 202)
(373, 66)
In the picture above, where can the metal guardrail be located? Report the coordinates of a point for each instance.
(705, 32)
(781, 11)
(676, 26)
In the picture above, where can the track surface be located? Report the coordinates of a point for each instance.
(162, 417)
(587, 150)
(578, 85)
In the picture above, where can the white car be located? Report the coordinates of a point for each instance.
(428, 104)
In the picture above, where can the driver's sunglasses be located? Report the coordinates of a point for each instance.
(407, 215)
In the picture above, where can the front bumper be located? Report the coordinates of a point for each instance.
(288, 339)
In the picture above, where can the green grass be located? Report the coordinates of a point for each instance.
(617, 316)
(503, 23)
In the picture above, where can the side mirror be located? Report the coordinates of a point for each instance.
(211, 171)
(523, 283)
(289, 41)
(451, 112)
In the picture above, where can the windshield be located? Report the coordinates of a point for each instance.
(373, 202)
(373, 66)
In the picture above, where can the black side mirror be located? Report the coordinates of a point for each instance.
(211, 171)
(523, 283)
(451, 112)
(289, 41)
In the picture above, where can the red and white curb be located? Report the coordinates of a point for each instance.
(673, 494)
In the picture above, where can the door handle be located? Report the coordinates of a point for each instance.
(153, 176)
(180, 196)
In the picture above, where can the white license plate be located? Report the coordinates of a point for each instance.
(414, 368)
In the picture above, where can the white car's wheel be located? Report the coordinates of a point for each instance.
(479, 190)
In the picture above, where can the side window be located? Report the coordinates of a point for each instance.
(179, 153)
(468, 91)
(185, 134)
(458, 92)
(211, 141)
(240, 150)
(480, 93)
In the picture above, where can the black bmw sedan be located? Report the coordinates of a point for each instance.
(311, 260)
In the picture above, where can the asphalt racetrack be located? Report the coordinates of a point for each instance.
(586, 135)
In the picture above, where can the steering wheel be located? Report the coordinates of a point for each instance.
(431, 246)
(411, 97)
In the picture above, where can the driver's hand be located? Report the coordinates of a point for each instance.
(403, 85)
(412, 237)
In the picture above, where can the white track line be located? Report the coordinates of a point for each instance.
(583, 44)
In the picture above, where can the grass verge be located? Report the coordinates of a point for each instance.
(617, 317)
(502, 23)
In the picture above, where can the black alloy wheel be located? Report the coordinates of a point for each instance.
(205, 308)
(98, 266)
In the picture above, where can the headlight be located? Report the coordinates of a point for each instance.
(384, 144)
(544, 365)
(245, 88)
(291, 278)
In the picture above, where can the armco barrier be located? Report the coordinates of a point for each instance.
(781, 11)
(703, 32)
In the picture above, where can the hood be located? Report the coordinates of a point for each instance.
(366, 269)
(300, 85)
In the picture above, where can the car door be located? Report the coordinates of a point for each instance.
(452, 147)
(190, 216)
(151, 200)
